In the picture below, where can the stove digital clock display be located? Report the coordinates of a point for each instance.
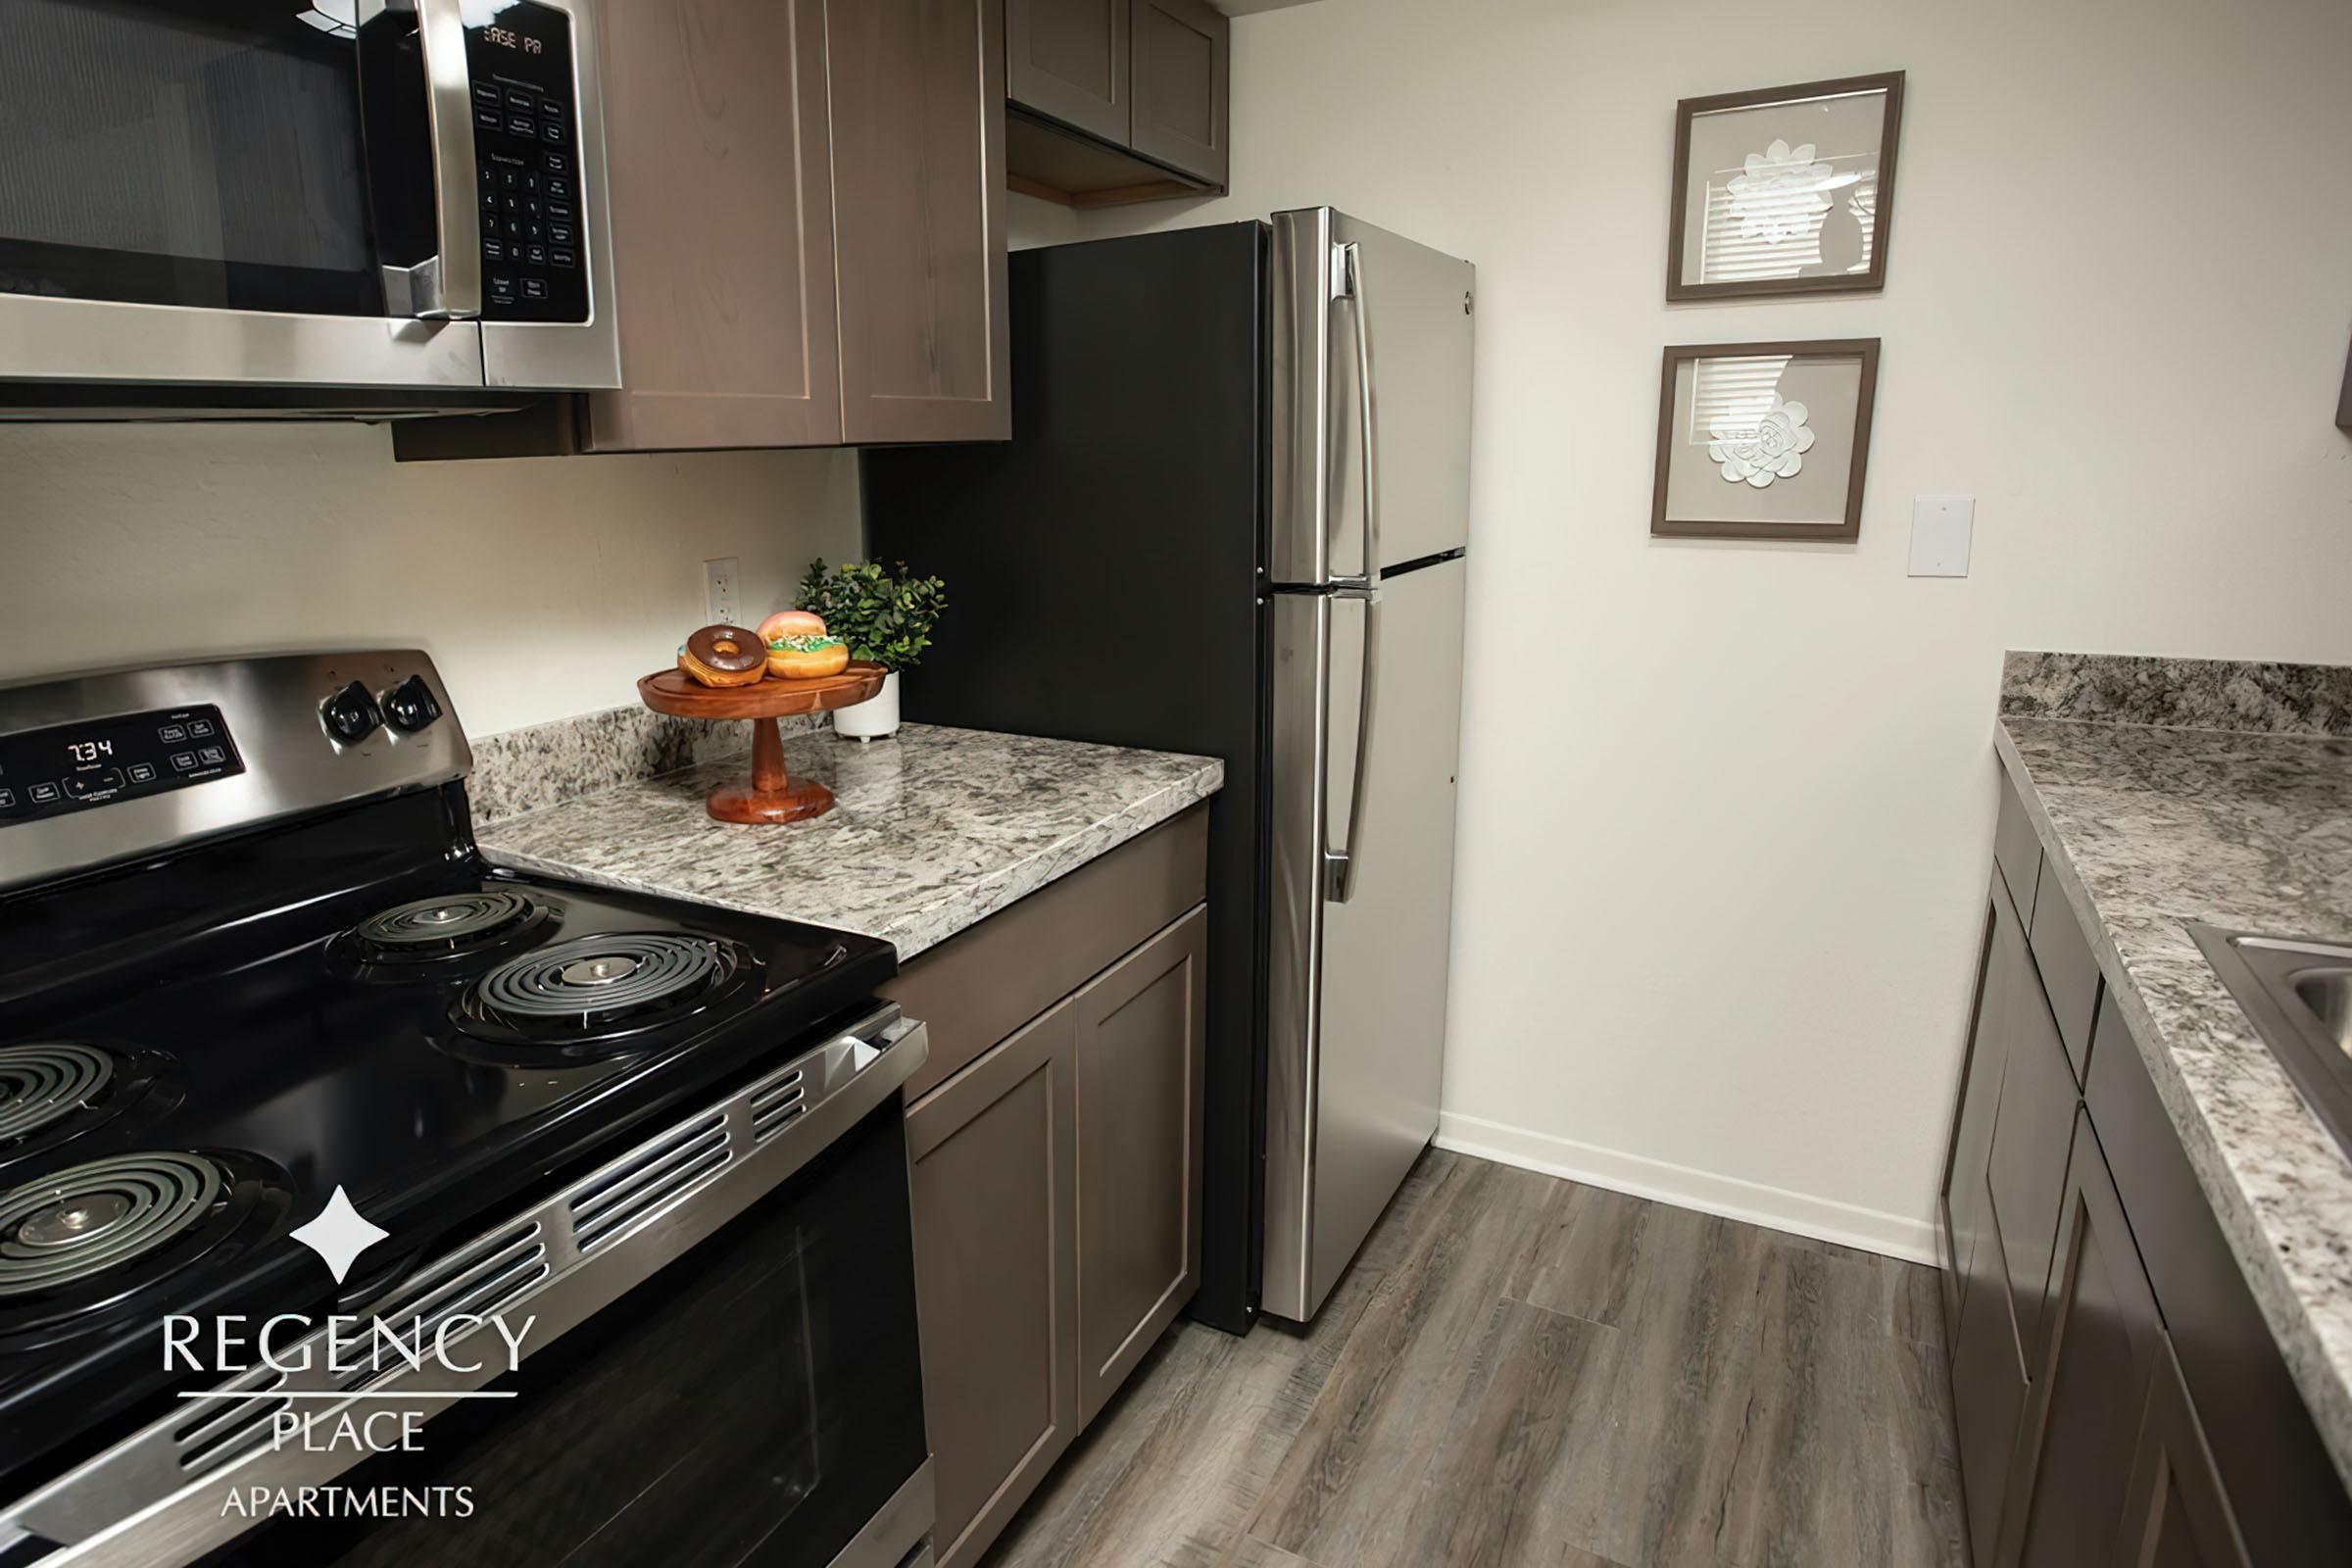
(73, 767)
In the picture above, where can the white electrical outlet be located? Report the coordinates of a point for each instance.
(721, 599)
(1941, 526)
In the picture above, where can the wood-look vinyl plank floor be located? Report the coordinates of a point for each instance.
(1519, 1370)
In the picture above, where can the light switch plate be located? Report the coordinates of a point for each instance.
(1941, 526)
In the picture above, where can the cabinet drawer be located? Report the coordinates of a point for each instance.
(2016, 850)
(982, 984)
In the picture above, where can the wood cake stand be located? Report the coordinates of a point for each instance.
(770, 796)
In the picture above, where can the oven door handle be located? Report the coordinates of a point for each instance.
(445, 285)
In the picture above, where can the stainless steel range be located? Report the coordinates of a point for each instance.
(362, 1201)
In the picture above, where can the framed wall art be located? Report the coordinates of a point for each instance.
(1764, 440)
(1789, 191)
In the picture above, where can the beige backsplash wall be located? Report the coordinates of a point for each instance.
(542, 587)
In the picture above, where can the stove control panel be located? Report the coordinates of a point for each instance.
(135, 740)
(73, 767)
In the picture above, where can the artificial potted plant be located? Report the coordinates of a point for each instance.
(886, 617)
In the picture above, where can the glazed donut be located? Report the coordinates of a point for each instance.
(725, 656)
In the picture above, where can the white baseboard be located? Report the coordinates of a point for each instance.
(1773, 1208)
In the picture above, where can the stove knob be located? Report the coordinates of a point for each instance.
(350, 715)
(410, 706)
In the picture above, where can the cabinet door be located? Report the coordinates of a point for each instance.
(1183, 71)
(2073, 1462)
(1068, 61)
(1968, 1204)
(1969, 1147)
(995, 1244)
(1989, 1397)
(918, 201)
(2032, 1135)
(2176, 1514)
(722, 226)
(1142, 1038)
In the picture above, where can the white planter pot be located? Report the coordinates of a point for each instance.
(873, 718)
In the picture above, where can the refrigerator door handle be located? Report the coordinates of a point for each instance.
(1348, 283)
(1339, 866)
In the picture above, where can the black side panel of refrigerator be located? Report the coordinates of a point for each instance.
(1103, 574)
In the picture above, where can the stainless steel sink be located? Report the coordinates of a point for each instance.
(2298, 996)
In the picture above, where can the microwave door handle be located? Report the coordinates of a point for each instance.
(446, 286)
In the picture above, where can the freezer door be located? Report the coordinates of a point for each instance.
(1346, 295)
(1357, 1005)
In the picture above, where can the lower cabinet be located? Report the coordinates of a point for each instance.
(995, 1271)
(1056, 1184)
(2100, 1326)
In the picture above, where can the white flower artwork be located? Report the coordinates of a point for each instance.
(1783, 193)
(1774, 448)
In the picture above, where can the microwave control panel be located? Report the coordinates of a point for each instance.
(526, 142)
(71, 767)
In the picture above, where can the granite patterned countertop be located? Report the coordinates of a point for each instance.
(932, 831)
(2148, 828)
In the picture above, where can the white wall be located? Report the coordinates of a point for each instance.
(1726, 809)
(1030, 222)
(542, 587)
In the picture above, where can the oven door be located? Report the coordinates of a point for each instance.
(716, 1363)
(758, 1403)
(238, 193)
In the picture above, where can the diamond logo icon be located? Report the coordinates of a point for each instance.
(340, 1234)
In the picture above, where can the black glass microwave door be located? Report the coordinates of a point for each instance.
(753, 1403)
(185, 152)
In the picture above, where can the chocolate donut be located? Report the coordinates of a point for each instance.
(725, 656)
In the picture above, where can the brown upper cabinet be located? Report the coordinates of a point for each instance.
(808, 215)
(1117, 100)
(1068, 60)
(721, 176)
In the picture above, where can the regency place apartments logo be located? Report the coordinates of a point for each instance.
(330, 1426)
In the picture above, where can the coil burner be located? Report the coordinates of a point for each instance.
(447, 926)
(44, 1084)
(80, 1246)
(599, 988)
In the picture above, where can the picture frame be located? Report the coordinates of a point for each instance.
(1764, 440)
(1795, 193)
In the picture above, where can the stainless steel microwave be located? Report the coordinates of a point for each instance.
(374, 198)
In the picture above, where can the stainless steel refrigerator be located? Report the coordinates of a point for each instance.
(1233, 520)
